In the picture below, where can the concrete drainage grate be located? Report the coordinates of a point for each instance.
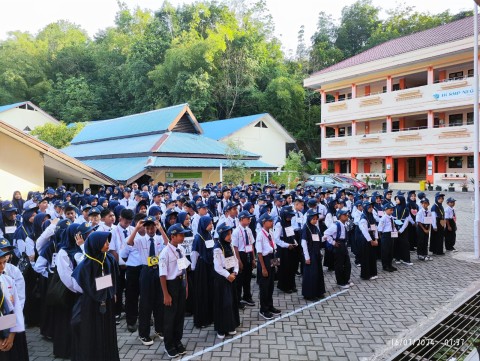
(453, 339)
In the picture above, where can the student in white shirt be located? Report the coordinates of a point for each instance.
(389, 233)
(367, 239)
(424, 223)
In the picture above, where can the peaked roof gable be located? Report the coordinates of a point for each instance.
(4, 108)
(155, 121)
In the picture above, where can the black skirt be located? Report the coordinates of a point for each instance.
(203, 294)
(19, 350)
(313, 283)
(225, 305)
(94, 333)
(62, 334)
(287, 269)
(33, 297)
(47, 322)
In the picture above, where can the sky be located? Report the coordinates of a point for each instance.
(288, 15)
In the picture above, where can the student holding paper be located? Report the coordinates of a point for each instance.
(424, 223)
(93, 316)
(13, 342)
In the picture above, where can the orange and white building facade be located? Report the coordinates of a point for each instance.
(402, 109)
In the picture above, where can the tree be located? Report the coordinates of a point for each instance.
(292, 171)
(58, 136)
(324, 52)
(236, 167)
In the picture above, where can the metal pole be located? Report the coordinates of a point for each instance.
(476, 222)
(221, 172)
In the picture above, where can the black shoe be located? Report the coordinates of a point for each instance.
(147, 341)
(132, 328)
(393, 269)
(172, 353)
(241, 306)
(275, 311)
(266, 315)
(159, 335)
(181, 349)
(294, 290)
(388, 269)
(248, 302)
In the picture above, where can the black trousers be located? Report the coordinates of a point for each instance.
(174, 315)
(437, 239)
(368, 260)
(343, 267)
(402, 246)
(132, 293)
(450, 236)
(151, 301)
(387, 250)
(245, 277)
(266, 284)
(422, 242)
(120, 288)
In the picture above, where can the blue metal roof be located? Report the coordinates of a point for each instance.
(205, 163)
(120, 169)
(194, 144)
(4, 108)
(115, 146)
(219, 129)
(153, 121)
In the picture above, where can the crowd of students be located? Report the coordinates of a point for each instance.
(75, 263)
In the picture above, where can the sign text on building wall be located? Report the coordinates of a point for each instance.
(454, 93)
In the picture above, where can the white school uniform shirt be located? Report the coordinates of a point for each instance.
(364, 227)
(331, 232)
(142, 245)
(80, 219)
(13, 271)
(277, 233)
(449, 212)
(42, 241)
(275, 213)
(356, 215)
(239, 239)
(221, 205)
(322, 211)
(168, 266)
(421, 214)
(306, 254)
(194, 223)
(219, 262)
(119, 242)
(27, 245)
(128, 203)
(330, 219)
(298, 220)
(12, 301)
(386, 224)
(229, 221)
(263, 245)
(102, 227)
(65, 270)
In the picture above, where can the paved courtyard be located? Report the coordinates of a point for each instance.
(358, 324)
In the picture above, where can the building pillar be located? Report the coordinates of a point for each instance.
(353, 167)
(324, 165)
(354, 128)
(323, 131)
(430, 167)
(442, 120)
(367, 90)
(442, 75)
(430, 119)
(336, 132)
(401, 123)
(366, 166)
(402, 169)
(401, 84)
(354, 91)
(337, 94)
(367, 127)
(86, 183)
(430, 75)
(59, 182)
(389, 124)
(441, 164)
(323, 96)
(389, 168)
(389, 84)
(336, 166)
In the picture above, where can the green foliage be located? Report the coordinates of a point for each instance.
(58, 136)
(292, 171)
(236, 169)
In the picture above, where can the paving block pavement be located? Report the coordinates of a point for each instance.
(353, 325)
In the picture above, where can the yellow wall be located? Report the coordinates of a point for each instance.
(20, 118)
(21, 168)
(208, 175)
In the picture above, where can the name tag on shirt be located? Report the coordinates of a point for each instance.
(380, 213)
(373, 227)
(394, 234)
(152, 261)
(315, 238)
(230, 262)
(398, 222)
(103, 282)
(8, 321)
(10, 230)
(248, 248)
(289, 231)
(183, 263)
(427, 220)
(54, 259)
(210, 243)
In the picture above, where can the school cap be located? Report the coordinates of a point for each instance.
(244, 214)
(400, 193)
(439, 194)
(202, 205)
(222, 228)
(86, 207)
(170, 211)
(50, 191)
(94, 210)
(3, 254)
(341, 212)
(84, 228)
(176, 229)
(288, 211)
(5, 243)
(127, 190)
(311, 213)
(312, 202)
(59, 204)
(8, 206)
(421, 195)
(425, 200)
(388, 206)
(149, 219)
(157, 193)
(358, 203)
(367, 204)
(63, 224)
(30, 207)
(451, 200)
(265, 218)
(229, 206)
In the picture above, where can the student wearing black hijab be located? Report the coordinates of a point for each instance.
(93, 318)
(367, 239)
(413, 209)
(438, 226)
(8, 220)
(313, 284)
(225, 303)
(202, 266)
(401, 247)
(330, 218)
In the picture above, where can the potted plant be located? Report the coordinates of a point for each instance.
(429, 185)
(384, 182)
(378, 184)
(464, 186)
(367, 180)
(451, 187)
(438, 188)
